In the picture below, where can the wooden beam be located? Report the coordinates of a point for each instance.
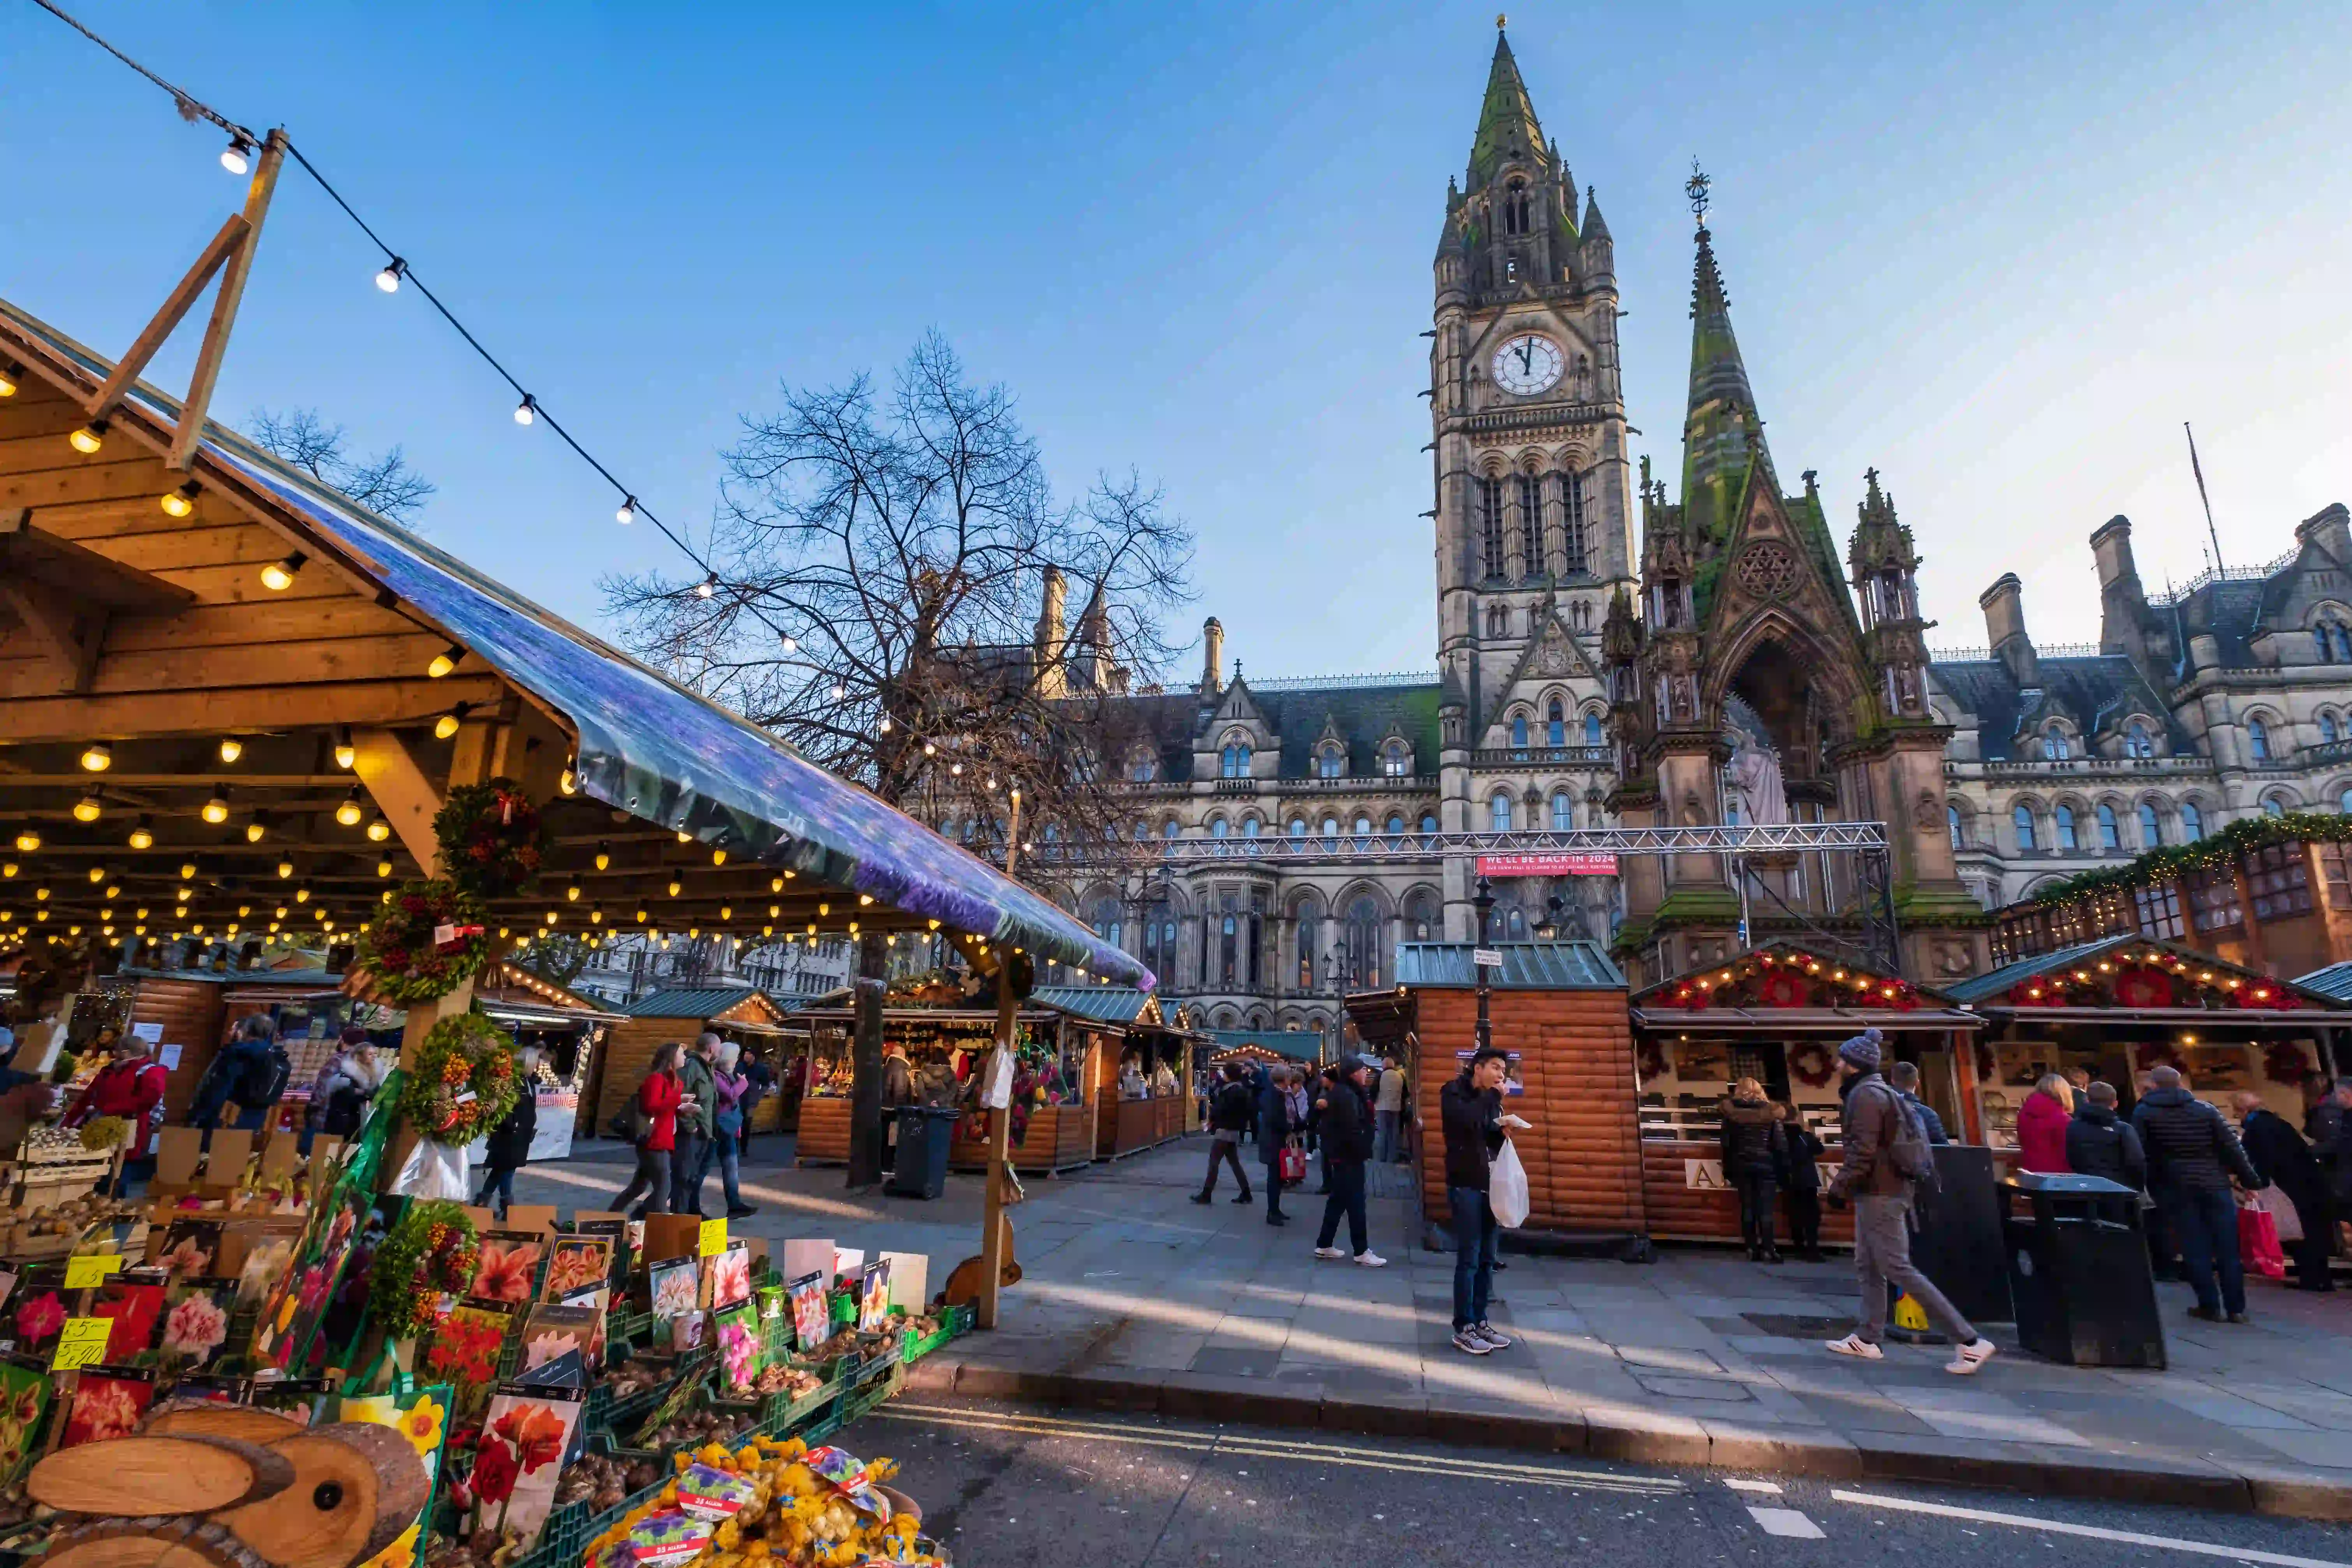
(232, 291)
(199, 710)
(406, 796)
(71, 634)
(232, 234)
(77, 572)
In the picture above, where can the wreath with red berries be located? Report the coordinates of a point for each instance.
(493, 841)
(405, 961)
(462, 1082)
(430, 1254)
(2284, 1062)
(1811, 1064)
(1651, 1063)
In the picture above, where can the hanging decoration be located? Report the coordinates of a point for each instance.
(1784, 977)
(421, 945)
(2284, 1061)
(429, 1255)
(493, 841)
(1811, 1064)
(2130, 978)
(2214, 852)
(462, 1082)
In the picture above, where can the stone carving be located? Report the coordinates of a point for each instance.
(1766, 569)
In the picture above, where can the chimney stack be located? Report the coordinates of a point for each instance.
(2004, 613)
(1052, 678)
(1212, 656)
(2123, 605)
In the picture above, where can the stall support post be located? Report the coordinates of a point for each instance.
(993, 1226)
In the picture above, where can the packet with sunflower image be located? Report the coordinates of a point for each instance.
(421, 1415)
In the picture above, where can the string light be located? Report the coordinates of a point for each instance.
(10, 374)
(603, 857)
(97, 757)
(143, 836)
(279, 576)
(444, 661)
(839, 691)
(572, 892)
(378, 830)
(88, 439)
(285, 869)
(708, 587)
(719, 856)
(187, 872)
(674, 885)
(88, 808)
(384, 868)
(389, 279)
(791, 643)
(627, 512)
(97, 875)
(181, 502)
(349, 812)
(346, 754)
(569, 780)
(231, 748)
(237, 156)
(447, 725)
(527, 410)
(259, 828)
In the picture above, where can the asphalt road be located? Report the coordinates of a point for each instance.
(1012, 1487)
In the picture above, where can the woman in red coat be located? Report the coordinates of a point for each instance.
(2042, 1127)
(131, 1086)
(657, 1102)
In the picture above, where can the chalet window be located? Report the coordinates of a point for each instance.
(2158, 911)
(2213, 899)
(2335, 868)
(2279, 878)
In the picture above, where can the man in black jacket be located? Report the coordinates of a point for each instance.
(1234, 1110)
(1470, 1112)
(1344, 1122)
(1273, 1129)
(2278, 1152)
(2099, 1142)
(2191, 1155)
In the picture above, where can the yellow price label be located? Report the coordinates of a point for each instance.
(88, 1273)
(714, 1237)
(82, 1342)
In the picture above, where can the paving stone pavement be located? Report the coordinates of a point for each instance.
(1134, 1297)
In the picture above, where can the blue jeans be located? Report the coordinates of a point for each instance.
(1384, 1136)
(1346, 1198)
(686, 1170)
(500, 1177)
(1474, 1253)
(723, 1151)
(2205, 1222)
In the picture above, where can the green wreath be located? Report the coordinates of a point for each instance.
(493, 841)
(462, 1082)
(398, 949)
(430, 1254)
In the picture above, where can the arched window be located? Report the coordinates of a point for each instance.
(1731, 808)
(1249, 827)
(1298, 828)
(1515, 207)
(2065, 819)
(1531, 559)
(2137, 742)
(1363, 827)
(2273, 806)
(1592, 729)
(1171, 829)
(1563, 811)
(1421, 917)
(1518, 729)
(1103, 917)
(1236, 761)
(1228, 950)
(2344, 804)
(1159, 943)
(1514, 925)
(1330, 827)
(1429, 822)
(2258, 740)
(1556, 725)
(1499, 812)
(2110, 837)
(2151, 827)
(1310, 919)
(1330, 762)
(2334, 642)
(2056, 747)
(2023, 817)
(1490, 528)
(2192, 822)
(2327, 732)
(1360, 961)
(1394, 763)
(1571, 518)
(1952, 822)
(1395, 828)
(1217, 828)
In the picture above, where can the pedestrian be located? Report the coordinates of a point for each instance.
(508, 1148)
(1753, 1154)
(725, 1146)
(1344, 1111)
(1314, 1092)
(2331, 1144)
(655, 1134)
(1885, 1151)
(1294, 1089)
(349, 1046)
(1274, 1123)
(2281, 1157)
(699, 1098)
(251, 1073)
(1903, 1078)
(2191, 1155)
(762, 1079)
(1388, 1111)
(1803, 1188)
(2041, 1126)
(2099, 1142)
(1470, 1115)
(2078, 1086)
(130, 1086)
(898, 1090)
(1230, 1113)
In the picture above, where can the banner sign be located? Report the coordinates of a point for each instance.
(1563, 863)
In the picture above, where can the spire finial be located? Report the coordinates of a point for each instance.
(1696, 188)
(1499, 20)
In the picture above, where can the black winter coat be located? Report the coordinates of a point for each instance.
(508, 1148)
(1273, 1119)
(1804, 1149)
(1345, 1125)
(1474, 1130)
(1233, 1110)
(2101, 1143)
(2279, 1152)
(2188, 1146)
(1753, 1143)
(2331, 1145)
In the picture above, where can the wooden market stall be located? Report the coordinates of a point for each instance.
(744, 1013)
(1778, 1014)
(2120, 1005)
(1152, 1105)
(1558, 1008)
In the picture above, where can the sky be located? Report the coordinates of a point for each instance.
(1998, 252)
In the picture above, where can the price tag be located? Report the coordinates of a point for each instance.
(82, 1342)
(90, 1272)
(714, 1237)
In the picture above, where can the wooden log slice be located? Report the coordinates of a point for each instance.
(356, 1487)
(169, 1543)
(170, 1475)
(211, 1418)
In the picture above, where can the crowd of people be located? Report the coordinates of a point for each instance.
(1344, 1115)
(692, 1114)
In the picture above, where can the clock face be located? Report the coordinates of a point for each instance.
(1527, 364)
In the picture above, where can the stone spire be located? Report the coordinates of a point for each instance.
(1722, 432)
(1506, 119)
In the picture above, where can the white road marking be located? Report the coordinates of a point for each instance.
(1768, 1489)
(2088, 1531)
(1786, 1521)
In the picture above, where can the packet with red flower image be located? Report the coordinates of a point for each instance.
(526, 1432)
(107, 1401)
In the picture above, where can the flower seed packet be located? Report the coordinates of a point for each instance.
(525, 1436)
(507, 1269)
(196, 1312)
(676, 1288)
(24, 1401)
(812, 1318)
(107, 1401)
(874, 1297)
(550, 1331)
(463, 1350)
(577, 1263)
(730, 1276)
(192, 1249)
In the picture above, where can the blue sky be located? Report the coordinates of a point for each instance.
(2001, 252)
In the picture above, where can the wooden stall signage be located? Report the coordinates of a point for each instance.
(1706, 1175)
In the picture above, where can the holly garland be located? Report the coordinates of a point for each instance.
(431, 936)
(462, 1082)
(430, 1254)
(493, 841)
(2214, 852)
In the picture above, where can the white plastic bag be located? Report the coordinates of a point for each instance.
(1506, 1188)
(996, 1080)
(434, 1171)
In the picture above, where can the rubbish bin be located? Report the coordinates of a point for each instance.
(1956, 1239)
(2078, 1271)
(924, 1133)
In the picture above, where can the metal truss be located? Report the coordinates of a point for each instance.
(1786, 837)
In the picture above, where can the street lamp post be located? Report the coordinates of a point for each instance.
(1485, 904)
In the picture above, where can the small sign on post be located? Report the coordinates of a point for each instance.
(1485, 958)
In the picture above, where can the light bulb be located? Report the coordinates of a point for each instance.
(791, 645)
(603, 857)
(217, 809)
(444, 661)
(258, 829)
(7, 868)
(674, 885)
(595, 915)
(279, 576)
(447, 725)
(97, 757)
(301, 895)
(726, 911)
(389, 279)
(231, 748)
(885, 725)
(285, 869)
(525, 410)
(628, 510)
(345, 753)
(142, 837)
(237, 156)
(572, 893)
(383, 867)
(378, 830)
(775, 884)
(719, 856)
(88, 808)
(89, 438)
(708, 587)
(180, 502)
(10, 371)
(349, 812)
(929, 750)
(554, 916)
(97, 875)
(839, 691)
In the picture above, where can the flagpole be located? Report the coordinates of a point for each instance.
(2212, 533)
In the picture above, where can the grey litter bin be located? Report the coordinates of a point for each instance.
(2078, 1271)
(924, 1133)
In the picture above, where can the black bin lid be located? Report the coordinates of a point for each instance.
(2066, 1185)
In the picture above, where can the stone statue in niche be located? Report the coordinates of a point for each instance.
(1756, 779)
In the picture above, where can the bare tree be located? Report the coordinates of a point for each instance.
(384, 484)
(555, 957)
(891, 578)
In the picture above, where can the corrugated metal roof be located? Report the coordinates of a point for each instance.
(1104, 1003)
(1526, 966)
(695, 1000)
(2334, 981)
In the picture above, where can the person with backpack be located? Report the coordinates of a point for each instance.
(1886, 1154)
(251, 1073)
(652, 1123)
(1233, 1112)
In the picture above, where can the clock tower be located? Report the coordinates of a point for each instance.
(1534, 495)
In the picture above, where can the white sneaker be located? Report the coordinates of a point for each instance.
(1469, 1342)
(1859, 1348)
(1372, 1260)
(1329, 1252)
(1491, 1335)
(1966, 1359)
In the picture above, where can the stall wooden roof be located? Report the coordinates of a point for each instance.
(1788, 987)
(2138, 977)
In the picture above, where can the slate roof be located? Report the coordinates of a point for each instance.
(2089, 691)
(1361, 713)
(696, 1001)
(1526, 966)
